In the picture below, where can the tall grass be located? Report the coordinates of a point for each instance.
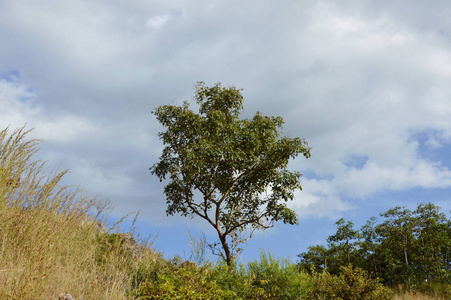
(49, 243)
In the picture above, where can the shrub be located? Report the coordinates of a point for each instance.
(190, 283)
(352, 283)
(234, 279)
(275, 278)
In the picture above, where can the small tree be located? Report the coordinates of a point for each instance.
(237, 166)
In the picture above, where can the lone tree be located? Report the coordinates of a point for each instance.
(229, 171)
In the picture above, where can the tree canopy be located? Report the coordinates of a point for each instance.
(229, 171)
(408, 247)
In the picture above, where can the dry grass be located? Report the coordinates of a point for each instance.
(49, 244)
(413, 296)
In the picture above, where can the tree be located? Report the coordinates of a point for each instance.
(368, 249)
(432, 242)
(315, 259)
(411, 248)
(397, 244)
(343, 242)
(229, 171)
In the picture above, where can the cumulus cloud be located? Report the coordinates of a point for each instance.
(372, 90)
(366, 84)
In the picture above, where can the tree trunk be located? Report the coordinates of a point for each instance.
(225, 247)
(405, 257)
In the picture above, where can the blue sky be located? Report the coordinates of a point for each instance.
(366, 83)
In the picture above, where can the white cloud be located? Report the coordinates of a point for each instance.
(354, 80)
(318, 199)
(375, 85)
(156, 22)
(15, 102)
(18, 108)
(65, 129)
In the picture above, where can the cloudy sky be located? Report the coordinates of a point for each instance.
(366, 83)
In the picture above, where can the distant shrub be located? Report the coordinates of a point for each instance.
(352, 283)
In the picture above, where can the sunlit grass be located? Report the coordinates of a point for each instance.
(49, 243)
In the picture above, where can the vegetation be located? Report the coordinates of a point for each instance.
(51, 244)
(267, 278)
(410, 250)
(239, 166)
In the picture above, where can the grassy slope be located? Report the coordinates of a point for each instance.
(49, 244)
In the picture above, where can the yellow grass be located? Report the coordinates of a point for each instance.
(49, 244)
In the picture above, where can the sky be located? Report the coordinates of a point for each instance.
(366, 83)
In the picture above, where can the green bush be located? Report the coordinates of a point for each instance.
(234, 279)
(186, 282)
(275, 278)
(149, 270)
(352, 283)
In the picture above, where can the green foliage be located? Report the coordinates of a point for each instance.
(342, 245)
(350, 284)
(148, 269)
(315, 259)
(234, 278)
(398, 242)
(190, 283)
(109, 244)
(239, 166)
(274, 278)
(432, 243)
(266, 278)
(435, 290)
(408, 248)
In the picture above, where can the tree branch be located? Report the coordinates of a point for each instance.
(256, 220)
(233, 185)
(195, 211)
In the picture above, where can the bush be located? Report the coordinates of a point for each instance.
(350, 284)
(234, 279)
(186, 282)
(274, 278)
